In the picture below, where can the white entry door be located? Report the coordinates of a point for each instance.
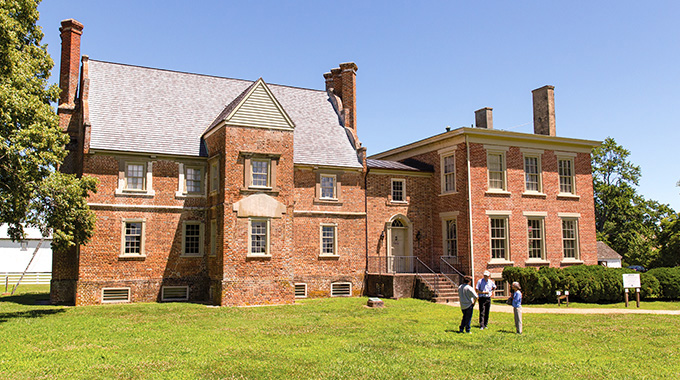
(399, 250)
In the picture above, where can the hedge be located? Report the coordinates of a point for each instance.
(669, 281)
(587, 283)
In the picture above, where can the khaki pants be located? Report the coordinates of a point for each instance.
(518, 319)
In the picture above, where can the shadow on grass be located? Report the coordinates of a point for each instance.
(4, 317)
(28, 299)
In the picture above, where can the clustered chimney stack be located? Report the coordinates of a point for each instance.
(71, 30)
(341, 82)
(484, 118)
(544, 110)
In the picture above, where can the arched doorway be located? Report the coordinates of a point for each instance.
(400, 245)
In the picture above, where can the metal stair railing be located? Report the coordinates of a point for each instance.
(450, 271)
(421, 268)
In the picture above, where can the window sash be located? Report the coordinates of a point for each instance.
(451, 238)
(258, 237)
(328, 240)
(570, 238)
(214, 176)
(259, 173)
(535, 234)
(449, 174)
(134, 176)
(192, 239)
(133, 238)
(498, 238)
(398, 190)
(566, 175)
(531, 174)
(327, 187)
(213, 237)
(193, 179)
(496, 171)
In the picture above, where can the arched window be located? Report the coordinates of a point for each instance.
(398, 223)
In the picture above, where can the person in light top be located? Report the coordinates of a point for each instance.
(517, 306)
(468, 297)
(485, 287)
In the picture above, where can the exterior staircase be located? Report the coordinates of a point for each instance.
(446, 291)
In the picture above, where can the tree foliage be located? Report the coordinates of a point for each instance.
(31, 143)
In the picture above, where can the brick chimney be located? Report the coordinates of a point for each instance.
(71, 30)
(341, 82)
(544, 110)
(484, 118)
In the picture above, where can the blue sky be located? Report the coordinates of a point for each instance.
(426, 65)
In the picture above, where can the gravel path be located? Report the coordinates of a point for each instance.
(566, 310)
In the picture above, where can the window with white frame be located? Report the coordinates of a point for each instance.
(258, 243)
(132, 242)
(565, 170)
(192, 241)
(499, 237)
(536, 238)
(213, 237)
(327, 186)
(193, 179)
(135, 176)
(501, 288)
(214, 175)
(449, 173)
(570, 238)
(532, 173)
(259, 171)
(496, 169)
(398, 190)
(451, 237)
(329, 240)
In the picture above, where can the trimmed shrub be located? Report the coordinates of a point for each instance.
(669, 281)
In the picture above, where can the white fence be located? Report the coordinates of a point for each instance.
(11, 278)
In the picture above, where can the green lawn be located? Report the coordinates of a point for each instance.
(325, 339)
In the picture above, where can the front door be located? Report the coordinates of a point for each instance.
(400, 260)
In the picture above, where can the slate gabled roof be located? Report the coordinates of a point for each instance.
(144, 110)
(408, 165)
(605, 252)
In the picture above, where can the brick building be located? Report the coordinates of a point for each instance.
(238, 192)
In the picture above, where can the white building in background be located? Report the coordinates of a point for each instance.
(15, 256)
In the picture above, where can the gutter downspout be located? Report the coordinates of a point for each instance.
(470, 229)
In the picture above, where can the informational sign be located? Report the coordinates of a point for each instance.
(631, 280)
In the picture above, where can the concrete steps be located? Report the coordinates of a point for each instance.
(447, 291)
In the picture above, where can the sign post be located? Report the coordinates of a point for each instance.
(632, 281)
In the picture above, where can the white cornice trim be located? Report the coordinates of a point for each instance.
(326, 213)
(141, 207)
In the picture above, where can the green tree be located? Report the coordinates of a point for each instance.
(32, 192)
(669, 240)
(625, 220)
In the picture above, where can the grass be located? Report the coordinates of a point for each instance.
(324, 339)
(644, 305)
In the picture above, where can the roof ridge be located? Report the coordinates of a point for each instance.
(202, 75)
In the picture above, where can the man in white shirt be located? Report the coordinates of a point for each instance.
(468, 297)
(485, 287)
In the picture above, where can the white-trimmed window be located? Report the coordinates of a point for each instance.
(192, 239)
(214, 175)
(258, 242)
(327, 186)
(532, 173)
(449, 173)
(499, 237)
(213, 237)
(135, 176)
(501, 288)
(300, 290)
(565, 170)
(341, 289)
(451, 237)
(496, 168)
(132, 241)
(398, 190)
(329, 240)
(570, 238)
(259, 171)
(193, 177)
(536, 238)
